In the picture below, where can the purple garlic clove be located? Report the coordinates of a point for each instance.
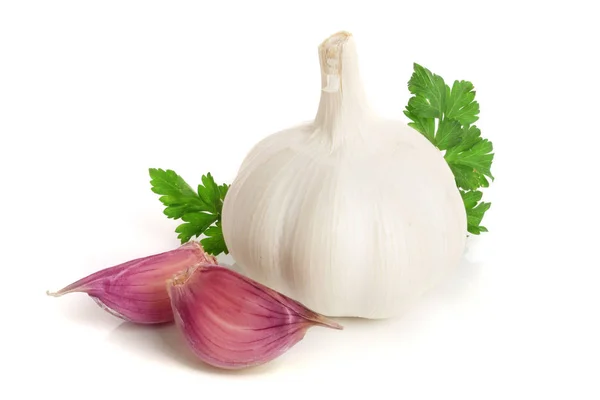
(233, 322)
(136, 290)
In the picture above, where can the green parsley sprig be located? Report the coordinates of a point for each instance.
(445, 116)
(199, 210)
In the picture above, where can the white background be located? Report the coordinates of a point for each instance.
(92, 94)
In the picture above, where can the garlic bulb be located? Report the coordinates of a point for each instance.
(350, 214)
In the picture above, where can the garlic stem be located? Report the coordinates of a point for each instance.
(343, 102)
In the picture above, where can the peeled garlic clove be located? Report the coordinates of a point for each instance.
(136, 290)
(233, 322)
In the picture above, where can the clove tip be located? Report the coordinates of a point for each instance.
(327, 322)
(337, 326)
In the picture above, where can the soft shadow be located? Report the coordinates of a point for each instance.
(452, 290)
(460, 281)
(167, 343)
(355, 322)
(456, 284)
(81, 309)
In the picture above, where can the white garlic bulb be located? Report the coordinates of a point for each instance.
(351, 214)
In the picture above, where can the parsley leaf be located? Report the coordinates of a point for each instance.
(214, 243)
(445, 116)
(461, 105)
(200, 211)
(223, 190)
(209, 193)
(178, 197)
(475, 210)
(195, 224)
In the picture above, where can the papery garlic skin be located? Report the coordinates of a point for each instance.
(136, 290)
(351, 214)
(232, 322)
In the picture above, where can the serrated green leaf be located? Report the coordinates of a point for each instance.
(479, 157)
(195, 224)
(448, 134)
(468, 138)
(177, 196)
(198, 210)
(468, 155)
(176, 212)
(461, 105)
(421, 107)
(209, 193)
(425, 126)
(167, 182)
(214, 243)
(169, 200)
(483, 182)
(475, 211)
(430, 90)
(223, 191)
(465, 177)
(474, 217)
(471, 198)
